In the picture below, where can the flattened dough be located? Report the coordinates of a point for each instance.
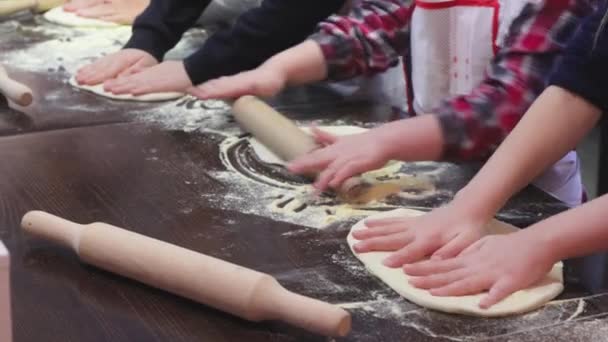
(58, 16)
(98, 89)
(519, 302)
(268, 157)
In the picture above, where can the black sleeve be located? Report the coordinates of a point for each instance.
(161, 25)
(257, 35)
(583, 68)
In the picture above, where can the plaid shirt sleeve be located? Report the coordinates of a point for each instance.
(370, 39)
(474, 124)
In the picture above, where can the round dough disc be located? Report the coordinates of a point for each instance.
(519, 302)
(98, 89)
(58, 16)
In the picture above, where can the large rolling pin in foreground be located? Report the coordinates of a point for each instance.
(240, 291)
(288, 141)
(13, 90)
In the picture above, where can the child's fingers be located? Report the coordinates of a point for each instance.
(413, 252)
(499, 291)
(121, 87)
(322, 137)
(97, 11)
(365, 234)
(474, 247)
(323, 179)
(223, 88)
(196, 92)
(429, 267)
(474, 284)
(346, 171)
(439, 280)
(79, 4)
(104, 72)
(454, 246)
(311, 162)
(383, 243)
(372, 223)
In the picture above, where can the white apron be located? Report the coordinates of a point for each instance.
(453, 42)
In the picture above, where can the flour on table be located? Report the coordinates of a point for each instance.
(519, 302)
(98, 89)
(269, 157)
(58, 16)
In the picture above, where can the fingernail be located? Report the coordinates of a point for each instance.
(389, 261)
(359, 247)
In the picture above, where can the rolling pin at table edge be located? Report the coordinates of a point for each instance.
(243, 292)
(9, 7)
(15, 91)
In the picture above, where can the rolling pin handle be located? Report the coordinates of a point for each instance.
(15, 91)
(277, 303)
(53, 228)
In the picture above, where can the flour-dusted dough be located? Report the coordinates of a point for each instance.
(58, 16)
(265, 155)
(519, 302)
(98, 89)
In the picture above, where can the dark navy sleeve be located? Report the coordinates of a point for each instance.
(161, 25)
(583, 69)
(257, 35)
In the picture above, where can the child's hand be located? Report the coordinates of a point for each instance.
(118, 11)
(120, 63)
(167, 76)
(501, 264)
(342, 157)
(75, 5)
(263, 81)
(443, 233)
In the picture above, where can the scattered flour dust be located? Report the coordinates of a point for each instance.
(63, 50)
(300, 204)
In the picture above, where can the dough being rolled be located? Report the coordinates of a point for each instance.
(58, 16)
(519, 302)
(267, 156)
(98, 89)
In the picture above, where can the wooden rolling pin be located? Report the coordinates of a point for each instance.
(8, 7)
(15, 91)
(240, 291)
(285, 139)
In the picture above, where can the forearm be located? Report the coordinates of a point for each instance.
(257, 35)
(162, 24)
(576, 232)
(418, 138)
(304, 63)
(554, 124)
(369, 40)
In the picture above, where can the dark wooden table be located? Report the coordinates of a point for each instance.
(112, 163)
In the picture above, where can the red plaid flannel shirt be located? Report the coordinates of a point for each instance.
(372, 37)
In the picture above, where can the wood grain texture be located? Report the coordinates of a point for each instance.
(105, 173)
(101, 165)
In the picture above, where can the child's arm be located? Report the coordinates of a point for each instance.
(155, 32)
(368, 40)
(556, 121)
(552, 126)
(471, 125)
(491, 263)
(258, 34)
(301, 64)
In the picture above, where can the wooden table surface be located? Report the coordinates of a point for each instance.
(91, 159)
